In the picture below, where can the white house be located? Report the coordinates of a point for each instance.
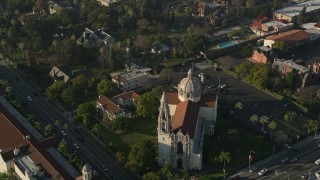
(184, 117)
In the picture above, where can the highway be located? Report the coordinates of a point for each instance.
(307, 152)
(47, 111)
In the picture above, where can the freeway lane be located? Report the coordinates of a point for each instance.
(307, 151)
(48, 113)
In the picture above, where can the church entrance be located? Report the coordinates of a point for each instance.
(179, 163)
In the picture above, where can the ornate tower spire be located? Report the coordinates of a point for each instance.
(164, 119)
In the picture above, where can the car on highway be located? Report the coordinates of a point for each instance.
(76, 145)
(263, 172)
(104, 167)
(317, 162)
(287, 146)
(285, 159)
(317, 174)
(29, 98)
(236, 177)
(305, 175)
(211, 86)
(252, 169)
(294, 159)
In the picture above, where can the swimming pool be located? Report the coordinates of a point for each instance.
(227, 44)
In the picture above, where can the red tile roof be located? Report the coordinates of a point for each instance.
(317, 25)
(108, 105)
(290, 37)
(126, 95)
(12, 135)
(206, 100)
(172, 98)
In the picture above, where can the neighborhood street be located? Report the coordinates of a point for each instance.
(48, 111)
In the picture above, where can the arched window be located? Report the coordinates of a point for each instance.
(180, 148)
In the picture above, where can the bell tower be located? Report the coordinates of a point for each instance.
(164, 119)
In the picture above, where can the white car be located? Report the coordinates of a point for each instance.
(285, 159)
(76, 145)
(252, 169)
(293, 159)
(263, 172)
(63, 133)
(29, 98)
(287, 146)
(317, 162)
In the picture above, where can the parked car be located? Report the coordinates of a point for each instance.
(263, 172)
(305, 175)
(293, 159)
(76, 145)
(287, 146)
(29, 98)
(285, 159)
(252, 169)
(63, 133)
(317, 162)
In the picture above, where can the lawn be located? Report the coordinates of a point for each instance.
(238, 146)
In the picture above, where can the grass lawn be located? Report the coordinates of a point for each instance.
(238, 146)
(138, 130)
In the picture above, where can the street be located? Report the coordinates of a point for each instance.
(47, 111)
(307, 152)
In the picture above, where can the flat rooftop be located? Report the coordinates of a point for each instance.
(277, 23)
(294, 10)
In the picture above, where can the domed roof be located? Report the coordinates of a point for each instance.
(190, 88)
(86, 168)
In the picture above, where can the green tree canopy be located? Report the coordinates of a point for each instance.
(246, 51)
(147, 105)
(70, 95)
(80, 82)
(290, 117)
(141, 157)
(151, 176)
(243, 69)
(56, 89)
(107, 88)
(121, 123)
(86, 110)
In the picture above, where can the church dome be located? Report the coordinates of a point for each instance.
(190, 88)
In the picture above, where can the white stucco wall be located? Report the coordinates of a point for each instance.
(164, 147)
(3, 166)
(268, 42)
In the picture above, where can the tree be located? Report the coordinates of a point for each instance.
(302, 16)
(151, 176)
(310, 125)
(121, 123)
(57, 123)
(121, 157)
(86, 111)
(165, 172)
(65, 127)
(141, 157)
(243, 70)
(272, 125)
(48, 129)
(246, 51)
(233, 134)
(38, 125)
(290, 117)
(238, 105)
(259, 75)
(147, 105)
(224, 157)
(280, 46)
(96, 128)
(56, 89)
(264, 120)
(107, 88)
(80, 82)
(254, 118)
(70, 95)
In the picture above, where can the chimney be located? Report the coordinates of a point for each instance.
(16, 151)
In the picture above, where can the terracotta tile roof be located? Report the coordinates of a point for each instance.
(172, 98)
(290, 37)
(118, 78)
(126, 95)
(9, 126)
(317, 25)
(108, 105)
(186, 118)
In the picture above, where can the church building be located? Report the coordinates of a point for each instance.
(184, 117)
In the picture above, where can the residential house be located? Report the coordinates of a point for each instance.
(313, 29)
(304, 76)
(106, 2)
(58, 6)
(66, 74)
(290, 38)
(184, 118)
(118, 106)
(95, 39)
(262, 55)
(262, 28)
(132, 79)
(25, 152)
(291, 13)
(205, 8)
(158, 48)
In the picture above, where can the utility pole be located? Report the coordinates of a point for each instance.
(250, 158)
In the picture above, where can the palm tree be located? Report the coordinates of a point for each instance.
(65, 127)
(38, 125)
(232, 134)
(264, 120)
(224, 157)
(238, 105)
(254, 118)
(48, 129)
(290, 117)
(272, 125)
(310, 125)
(57, 123)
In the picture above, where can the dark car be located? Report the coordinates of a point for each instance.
(235, 177)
